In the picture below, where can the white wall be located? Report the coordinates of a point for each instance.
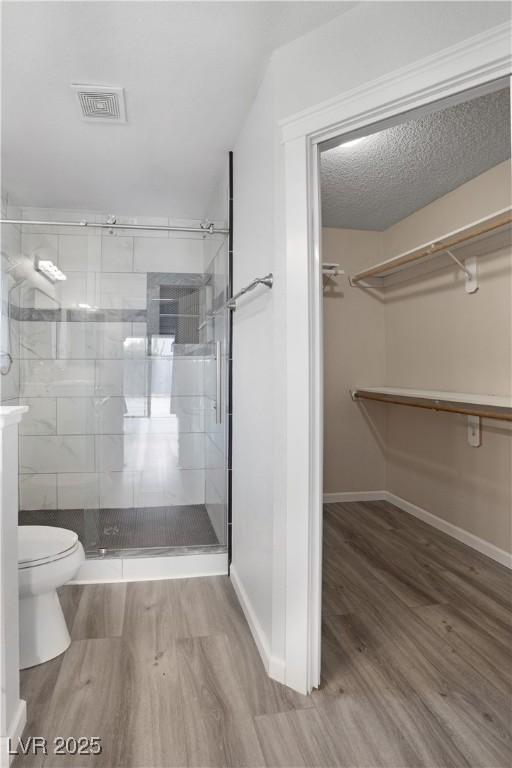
(370, 40)
(365, 43)
(253, 361)
(12, 709)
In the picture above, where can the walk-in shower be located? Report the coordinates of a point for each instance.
(124, 365)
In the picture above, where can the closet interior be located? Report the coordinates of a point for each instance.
(417, 279)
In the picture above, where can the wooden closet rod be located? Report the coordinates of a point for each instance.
(458, 238)
(447, 407)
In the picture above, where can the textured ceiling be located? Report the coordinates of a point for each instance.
(384, 177)
(190, 72)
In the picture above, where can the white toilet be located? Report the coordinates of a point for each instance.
(47, 558)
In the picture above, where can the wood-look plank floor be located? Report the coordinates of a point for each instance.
(417, 664)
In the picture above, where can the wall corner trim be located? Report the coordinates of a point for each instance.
(15, 731)
(488, 52)
(470, 539)
(274, 666)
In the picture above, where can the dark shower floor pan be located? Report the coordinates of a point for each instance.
(128, 531)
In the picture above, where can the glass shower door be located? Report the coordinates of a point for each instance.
(126, 377)
(173, 431)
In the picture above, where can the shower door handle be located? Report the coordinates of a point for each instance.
(218, 382)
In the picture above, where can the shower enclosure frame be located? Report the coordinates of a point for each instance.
(177, 561)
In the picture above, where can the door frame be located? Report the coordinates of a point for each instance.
(476, 61)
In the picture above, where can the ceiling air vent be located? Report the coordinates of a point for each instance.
(101, 103)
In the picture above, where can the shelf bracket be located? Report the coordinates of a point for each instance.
(332, 270)
(469, 268)
(474, 438)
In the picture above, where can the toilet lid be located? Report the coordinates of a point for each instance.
(43, 543)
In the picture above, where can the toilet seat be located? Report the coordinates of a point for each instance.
(42, 544)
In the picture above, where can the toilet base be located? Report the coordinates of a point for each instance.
(43, 629)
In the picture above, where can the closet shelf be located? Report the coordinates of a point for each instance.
(484, 406)
(480, 237)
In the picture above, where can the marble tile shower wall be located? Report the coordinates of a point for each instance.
(10, 249)
(109, 425)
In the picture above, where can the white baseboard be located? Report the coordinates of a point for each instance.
(345, 496)
(475, 542)
(275, 667)
(111, 570)
(470, 539)
(10, 740)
